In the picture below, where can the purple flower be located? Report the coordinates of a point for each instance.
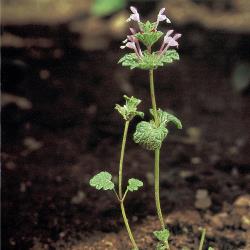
(162, 17)
(134, 16)
(169, 41)
(132, 43)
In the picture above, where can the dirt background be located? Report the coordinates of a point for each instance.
(60, 83)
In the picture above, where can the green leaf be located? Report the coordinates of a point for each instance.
(149, 136)
(162, 235)
(147, 27)
(210, 248)
(129, 110)
(134, 184)
(166, 117)
(107, 7)
(169, 56)
(149, 61)
(149, 38)
(102, 181)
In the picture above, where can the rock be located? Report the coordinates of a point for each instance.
(218, 220)
(242, 201)
(78, 198)
(203, 201)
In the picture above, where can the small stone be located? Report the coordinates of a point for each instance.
(203, 201)
(195, 160)
(245, 222)
(242, 201)
(32, 144)
(186, 174)
(218, 220)
(44, 74)
(78, 198)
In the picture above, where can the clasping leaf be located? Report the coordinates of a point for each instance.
(102, 181)
(134, 184)
(149, 136)
(166, 117)
(129, 110)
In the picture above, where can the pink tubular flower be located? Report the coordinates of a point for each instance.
(134, 16)
(132, 45)
(162, 17)
(169, 41)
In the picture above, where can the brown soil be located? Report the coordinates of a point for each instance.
(47, 202)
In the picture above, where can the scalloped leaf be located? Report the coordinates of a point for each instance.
(162, 235)
(149, 136)
(102, 181)
(134, 184)
(149, 61)
(169, 56)
(129, 110)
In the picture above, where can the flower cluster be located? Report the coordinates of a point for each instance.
(148, 34)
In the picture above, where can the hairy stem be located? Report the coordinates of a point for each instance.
(152, 93)
(120, 196)
(157, 152)
(122, 156)
(127, 226)
(202, 238)
(157, 187)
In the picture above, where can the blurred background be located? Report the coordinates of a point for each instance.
(60, 82)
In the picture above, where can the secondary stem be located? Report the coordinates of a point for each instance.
(127, 226)
(202, 238)
(157, 152)
(122, 156)
(121, 198)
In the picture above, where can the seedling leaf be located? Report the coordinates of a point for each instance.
(134, 184)
(129, 110)
(162, 235)
(102, 181)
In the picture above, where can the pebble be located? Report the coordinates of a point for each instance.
(203, 201)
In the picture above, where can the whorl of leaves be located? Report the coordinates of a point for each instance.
(149, 61)
(129, 110)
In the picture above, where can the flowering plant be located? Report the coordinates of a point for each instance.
(150, 135)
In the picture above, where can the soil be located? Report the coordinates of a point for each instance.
(72, 131)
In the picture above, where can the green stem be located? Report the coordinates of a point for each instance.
(128, 227)
(203, 234)
(157, 187)
(152, 93)
(122, 157)
(157, 152)
(120, 196)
